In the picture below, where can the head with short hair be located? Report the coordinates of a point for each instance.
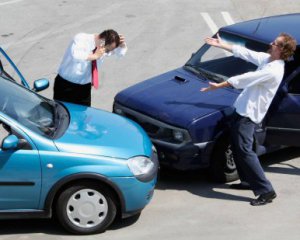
(286, 45)
(110, 36)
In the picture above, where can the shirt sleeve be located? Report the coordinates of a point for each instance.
(257, 58)
(251, 78)
(79, 48)
(120, 51)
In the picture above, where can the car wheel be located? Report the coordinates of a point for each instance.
(86, 209)
(222, 167)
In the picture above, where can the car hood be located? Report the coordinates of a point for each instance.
(97, 132)
(175, 98)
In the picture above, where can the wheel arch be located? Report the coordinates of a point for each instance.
(218, 169)
(222, 139)
(70, 180)
(225, 134)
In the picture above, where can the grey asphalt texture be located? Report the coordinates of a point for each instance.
(161, 35)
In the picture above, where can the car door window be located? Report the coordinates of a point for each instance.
(3, 133)
(294, 85)
(6, 130)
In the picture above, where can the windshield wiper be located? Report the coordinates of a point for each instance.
(194, 69)
(212, 76)
(203, 73)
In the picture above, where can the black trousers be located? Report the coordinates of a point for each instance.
(71, 92)
(247, 162)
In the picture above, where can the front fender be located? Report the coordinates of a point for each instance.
(210, 127)
(62, 183)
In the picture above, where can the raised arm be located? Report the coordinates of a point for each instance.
(122, 49)
(218, 42)
(246, 54)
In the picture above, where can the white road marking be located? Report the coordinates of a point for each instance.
(10, 2)
(213, 27)
(228, 19)
(211, 24)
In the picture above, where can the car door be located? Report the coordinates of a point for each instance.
(283, 125)
(20, 173)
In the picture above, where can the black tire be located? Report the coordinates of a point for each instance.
(222, 165)
(86, 208)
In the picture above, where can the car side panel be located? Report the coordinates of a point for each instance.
(58, 165)
(20, 179)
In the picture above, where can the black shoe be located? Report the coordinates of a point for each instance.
(240, 186)
(263, 199)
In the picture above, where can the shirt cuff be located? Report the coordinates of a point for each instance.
(121, 51)
(236, 50)
(232, 81)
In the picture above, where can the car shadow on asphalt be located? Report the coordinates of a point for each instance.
(198, 183)
(51, 226)
(276, 162)
(29, 226)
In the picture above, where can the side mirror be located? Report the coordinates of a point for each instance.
(40, 84)
(10, 142)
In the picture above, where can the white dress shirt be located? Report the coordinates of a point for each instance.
(259, 87)
(75, 67)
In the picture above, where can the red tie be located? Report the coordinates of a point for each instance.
(95, 80)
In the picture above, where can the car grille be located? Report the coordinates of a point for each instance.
(150, 128)
(156, 129)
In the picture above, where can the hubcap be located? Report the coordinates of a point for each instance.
(87, 208)
(230, 164)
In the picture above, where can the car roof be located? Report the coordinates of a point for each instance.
(268, 28)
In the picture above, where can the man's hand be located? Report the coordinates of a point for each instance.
(100, 50)
(212, 86)
(122, 41)
(218, 42)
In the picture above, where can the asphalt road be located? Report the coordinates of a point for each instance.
(161, 35)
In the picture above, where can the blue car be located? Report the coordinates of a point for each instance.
(82, 164)
(189, 128)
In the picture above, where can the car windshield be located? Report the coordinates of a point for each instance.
(28, 108)
(218, 65)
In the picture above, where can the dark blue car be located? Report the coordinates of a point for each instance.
(190, 128)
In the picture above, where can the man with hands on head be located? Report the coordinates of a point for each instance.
(259, 88)
(78, 71)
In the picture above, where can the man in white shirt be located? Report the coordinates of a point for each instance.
(259, 88)
(78, 70)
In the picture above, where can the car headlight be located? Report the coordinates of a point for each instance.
(118, 110)
(178, 135)
(143, 168)
(140, 165)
